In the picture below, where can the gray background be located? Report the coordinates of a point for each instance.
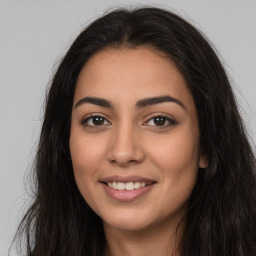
(34, 35)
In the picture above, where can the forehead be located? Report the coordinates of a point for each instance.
(126, 75)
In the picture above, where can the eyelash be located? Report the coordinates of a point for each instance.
(85, 121)
(166, 119)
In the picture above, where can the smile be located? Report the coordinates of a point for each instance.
(126, 188)
(127, 185)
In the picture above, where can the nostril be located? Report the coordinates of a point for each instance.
(124, 157)
(124, 163)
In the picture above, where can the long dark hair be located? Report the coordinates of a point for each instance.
(221, 215)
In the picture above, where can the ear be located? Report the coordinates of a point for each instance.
(203, 162)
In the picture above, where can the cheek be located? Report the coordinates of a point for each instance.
(86, 154)
(83, 159)
(86, 157)
(177, 159)
(176, 153)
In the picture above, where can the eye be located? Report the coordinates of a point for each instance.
(94, 121)
(161, 121)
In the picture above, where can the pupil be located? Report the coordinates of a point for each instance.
(159, 121)
(98, 120)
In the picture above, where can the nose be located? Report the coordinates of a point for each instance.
(125, 148)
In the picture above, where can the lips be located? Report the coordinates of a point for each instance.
(126, 188)
(131, 178)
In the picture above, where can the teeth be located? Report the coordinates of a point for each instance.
(126, 185)
(129, 186)
(120, 186)
(142, 184)
(137, 185)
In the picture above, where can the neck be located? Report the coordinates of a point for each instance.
(157, 240)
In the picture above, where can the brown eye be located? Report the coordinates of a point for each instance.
(98, 120)
(159, 121)
(95, 121)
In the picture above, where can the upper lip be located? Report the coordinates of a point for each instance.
(132, 178)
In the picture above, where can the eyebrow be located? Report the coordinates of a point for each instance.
(156, 100)
(96, 101)
(140, 104)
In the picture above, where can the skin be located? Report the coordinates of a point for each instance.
(129, 141)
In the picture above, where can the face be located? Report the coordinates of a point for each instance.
(134, 138)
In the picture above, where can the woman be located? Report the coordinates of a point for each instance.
(142, 149)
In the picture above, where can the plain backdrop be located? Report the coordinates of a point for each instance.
(35, 34)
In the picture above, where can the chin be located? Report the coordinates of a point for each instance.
(126, 225)
(127, 222)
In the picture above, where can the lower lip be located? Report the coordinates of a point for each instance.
(126, 195)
